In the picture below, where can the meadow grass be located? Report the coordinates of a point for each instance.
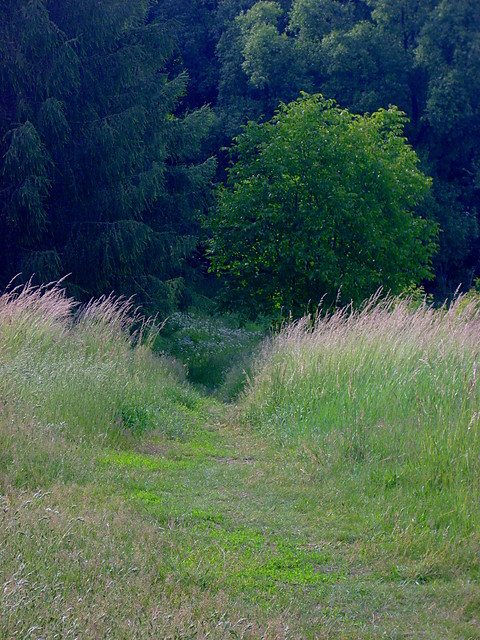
(89, 369)
(216, 351)
(133, 506)
(387, 398)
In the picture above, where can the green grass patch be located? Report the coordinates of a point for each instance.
(132, 460)
(339, 499)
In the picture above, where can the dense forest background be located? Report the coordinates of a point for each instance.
(115, 119)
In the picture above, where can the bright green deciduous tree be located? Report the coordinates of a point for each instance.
(321, 201)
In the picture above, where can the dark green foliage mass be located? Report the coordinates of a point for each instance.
(111, 113)
(98, 177)
(449, 51)
(193, 24)
(321, 203)
(419, 55)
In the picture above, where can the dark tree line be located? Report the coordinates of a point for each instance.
(111, 114)
(420, 55)
(99, 176)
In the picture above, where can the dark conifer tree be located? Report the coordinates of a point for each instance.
(98, 177)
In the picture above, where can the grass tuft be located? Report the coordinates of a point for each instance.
(88, 370)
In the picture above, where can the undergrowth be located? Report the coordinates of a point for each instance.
(216, 352)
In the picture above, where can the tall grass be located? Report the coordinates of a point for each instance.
(390, 394)
(86, 370)
(363, 524)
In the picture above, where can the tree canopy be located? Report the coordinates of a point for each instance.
(116, 118)
(98, 175)
(368, 54)
(320, 203)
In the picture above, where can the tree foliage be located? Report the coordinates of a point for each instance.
(321, 202)
(106, 145)
(98, 177)
(368, 54)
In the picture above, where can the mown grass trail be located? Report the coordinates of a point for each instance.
(133, 507)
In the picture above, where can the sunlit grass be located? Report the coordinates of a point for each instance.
(86, 370)
(385, 400)
(131, 506)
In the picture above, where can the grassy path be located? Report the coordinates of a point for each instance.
(215, 535)
(344, 506)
